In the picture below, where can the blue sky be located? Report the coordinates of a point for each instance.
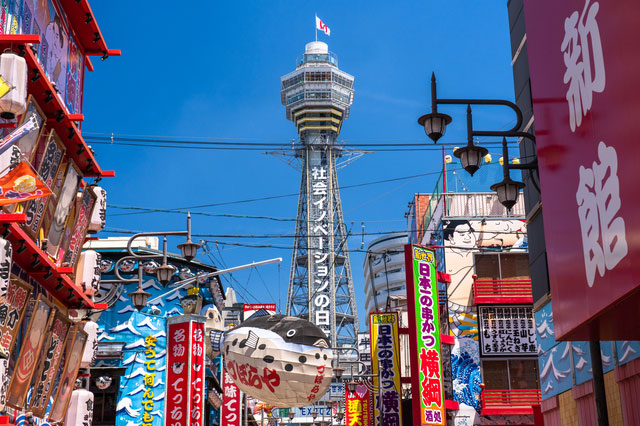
(212, 70)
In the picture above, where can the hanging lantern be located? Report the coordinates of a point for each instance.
(88, 272)
(281, 360)
(99, 214)
(90, 348)
(80, 411)
(6, 255)
(13, 75)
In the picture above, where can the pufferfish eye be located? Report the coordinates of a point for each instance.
(291, 333)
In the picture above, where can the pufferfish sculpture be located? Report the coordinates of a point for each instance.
(282, 360)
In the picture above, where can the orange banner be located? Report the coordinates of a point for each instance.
(21, 184)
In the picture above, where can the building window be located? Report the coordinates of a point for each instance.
(507, 374)
(502, 266)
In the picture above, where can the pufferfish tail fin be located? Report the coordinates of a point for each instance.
(216, 338)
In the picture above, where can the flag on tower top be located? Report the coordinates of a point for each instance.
(322, 27)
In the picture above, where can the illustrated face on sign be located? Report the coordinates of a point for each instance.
(459, 234)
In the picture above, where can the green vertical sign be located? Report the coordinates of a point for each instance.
(422, 289)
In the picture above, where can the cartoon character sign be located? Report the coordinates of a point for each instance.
(281, 360)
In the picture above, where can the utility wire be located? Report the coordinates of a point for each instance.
(272, 236)
(144, 210)
(490, 248)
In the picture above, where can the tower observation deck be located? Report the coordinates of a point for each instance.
(318, 97)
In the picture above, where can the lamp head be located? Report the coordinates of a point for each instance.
(164, 273)
(471, 157)
(189, 249)
(435, 124)
(507, 191)
(351, 386)
(338, 371)
(139, 298)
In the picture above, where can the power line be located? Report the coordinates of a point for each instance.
(143, 210)
(273, 236)
(271, 246)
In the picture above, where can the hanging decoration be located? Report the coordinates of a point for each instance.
(13, 70)
(6, 255)
(281, 360)
(88, 272)
(41, 319)
(13, 305)
(99, 215)
(91, 347)
(21, 184)
(48, 368)
(73, 355)
(80, 410)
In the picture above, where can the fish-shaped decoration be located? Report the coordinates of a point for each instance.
(282, 360)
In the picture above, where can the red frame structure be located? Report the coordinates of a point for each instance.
(85, 28)
(38, 264)
(57, 117)
(509, 401)
(27, 253)
(496, 292)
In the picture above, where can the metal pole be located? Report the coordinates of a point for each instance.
(598, 383)
(188, 281)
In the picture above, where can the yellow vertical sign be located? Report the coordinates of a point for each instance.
(385, 363)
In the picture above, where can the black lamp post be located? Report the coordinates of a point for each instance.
(471, 155)
(163, 272)
(508, 189)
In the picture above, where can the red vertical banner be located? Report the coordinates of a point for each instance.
(196, 413)
(358, 407)
(230, 410)
(178, 391)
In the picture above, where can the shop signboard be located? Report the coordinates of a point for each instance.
(184, 397)
(197, 365)
(48, 367)
(385, 362)
(424, 336)
(249, 309)
(65, 200)
(13, 304)
(230, 410)
(585, 103)
(52, 157)
(41, 318)
(73, 356)
(507, 331)
(358, 406)
(76, 229)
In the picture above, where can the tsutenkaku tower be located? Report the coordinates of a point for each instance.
(318, 96)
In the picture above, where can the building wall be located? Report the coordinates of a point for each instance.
(461, 239)
(533, 206)
(385, 259)
(122, 329)
(565, 371)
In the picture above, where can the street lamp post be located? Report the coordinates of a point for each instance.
(471, 155)
(164, 272)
